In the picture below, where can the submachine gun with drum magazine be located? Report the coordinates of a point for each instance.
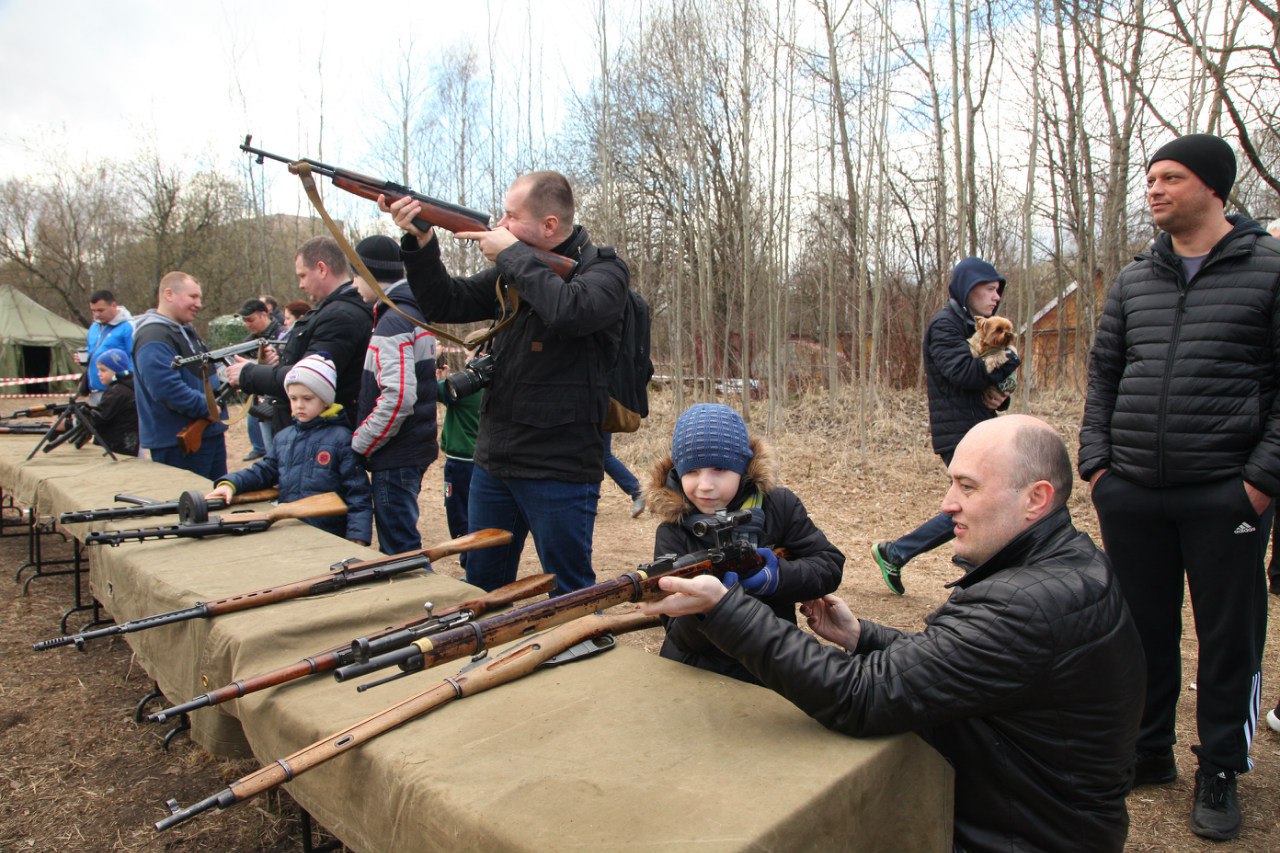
(196, 523)
(186, 507)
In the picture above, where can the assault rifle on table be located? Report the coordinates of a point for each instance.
(39, 411)
(74, 425)
(24, 429)
(225, 355)
(442, 214)
(640, 585)
(569, 642)
(188, 507)
(341, 575)
(235, 524)
(433, 623)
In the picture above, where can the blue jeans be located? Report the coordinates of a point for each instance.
(935, 532)
(457, 491)
(619, 472)
(209, 461)
(395, 508)
(255, 427)
(561, 516)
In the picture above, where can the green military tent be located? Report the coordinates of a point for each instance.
(34, 341)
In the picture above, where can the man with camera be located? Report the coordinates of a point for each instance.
(339, 328)
(539, 455)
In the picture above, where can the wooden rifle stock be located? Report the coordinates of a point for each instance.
(636, 586)
(191, 436)
(331, 659)
(442, 214)
(341, 575)
(313, 506)
(513, 663)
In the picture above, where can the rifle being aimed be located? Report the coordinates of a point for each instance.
(185, 507)
(441, 214)
(327, 661)
(341, 575)
(235, 524)
(563, 644)
(640, 585)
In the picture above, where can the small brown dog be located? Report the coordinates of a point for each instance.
(992, 341)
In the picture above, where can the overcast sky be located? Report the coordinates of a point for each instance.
(112, 78)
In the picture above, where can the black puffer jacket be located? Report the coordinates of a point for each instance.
(1183, 375)
(541, 416)
(1029, 680)
(339, 327)
(956, 378)
(812, 568)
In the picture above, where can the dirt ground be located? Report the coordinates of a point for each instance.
(78, 774)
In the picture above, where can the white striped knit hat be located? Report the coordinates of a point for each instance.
(316, 372)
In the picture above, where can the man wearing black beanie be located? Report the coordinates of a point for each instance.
(1181, 445)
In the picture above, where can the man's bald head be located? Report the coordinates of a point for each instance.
(1026, 449)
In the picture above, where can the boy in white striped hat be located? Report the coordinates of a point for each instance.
(313, 455)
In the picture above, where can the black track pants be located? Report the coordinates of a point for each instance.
(1211, 534)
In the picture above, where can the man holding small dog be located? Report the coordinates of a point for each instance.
(963, 391)
(1028, 679)
(1181, 444)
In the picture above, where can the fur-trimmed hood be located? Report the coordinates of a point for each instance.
(665, 499)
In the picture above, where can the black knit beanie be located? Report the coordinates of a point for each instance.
(1210, 157)
(382, 256)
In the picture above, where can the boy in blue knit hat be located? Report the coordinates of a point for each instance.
(715, 465)
(115, 417)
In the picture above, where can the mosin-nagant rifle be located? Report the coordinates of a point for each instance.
(341, 575)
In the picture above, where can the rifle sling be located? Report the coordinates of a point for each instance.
(303, 170)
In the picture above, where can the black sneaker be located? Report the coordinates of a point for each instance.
(892, 574)
(1215, 811)
(1154, 768)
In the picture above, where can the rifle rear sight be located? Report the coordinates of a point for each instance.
(721, 527)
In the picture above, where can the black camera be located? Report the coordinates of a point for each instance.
(474, 375)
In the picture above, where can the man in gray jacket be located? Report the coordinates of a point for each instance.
(1028, 679)
(1181, 444)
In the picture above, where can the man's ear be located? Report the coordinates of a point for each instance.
(1039, 500)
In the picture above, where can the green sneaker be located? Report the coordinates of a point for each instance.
(892, 574)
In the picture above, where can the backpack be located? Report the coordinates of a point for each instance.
(629, 377)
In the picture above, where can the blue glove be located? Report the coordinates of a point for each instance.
(764, 582)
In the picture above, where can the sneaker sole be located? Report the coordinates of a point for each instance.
(889, 572)
(1213, 834)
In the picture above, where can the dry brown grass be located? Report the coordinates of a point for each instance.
(78, 775)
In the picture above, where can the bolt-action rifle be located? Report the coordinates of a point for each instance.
(185, 507)
(639, 585)
(341, 575)
(442, 214)
(235, 524)
(573, 641)
(433, 623)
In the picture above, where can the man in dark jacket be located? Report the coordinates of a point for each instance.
(540, 450)
(396, 436)
(1028, 679)
(338, 328)
(261, 325)
(962, 392)
(1181, 444)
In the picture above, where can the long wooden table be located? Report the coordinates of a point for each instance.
(624, 751)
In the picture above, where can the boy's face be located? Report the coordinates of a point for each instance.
(105, 375)
(710, 489)
(303, 402)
